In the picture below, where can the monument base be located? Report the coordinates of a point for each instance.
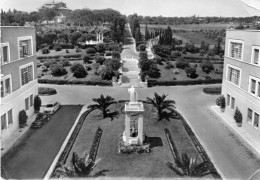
(126, 148)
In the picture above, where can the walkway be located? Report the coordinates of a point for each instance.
(130, 62)
(232, 156)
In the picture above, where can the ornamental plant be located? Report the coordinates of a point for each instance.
(238, 116)
(220, 101)
(37, 103)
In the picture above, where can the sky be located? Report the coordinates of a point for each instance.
(168, 8)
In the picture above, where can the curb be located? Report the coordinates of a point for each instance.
(53, 165)
(227, 122)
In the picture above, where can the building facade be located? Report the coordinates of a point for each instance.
(241, 76)
(18, 76)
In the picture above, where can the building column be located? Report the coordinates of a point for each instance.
(127, 127)
(140, 128)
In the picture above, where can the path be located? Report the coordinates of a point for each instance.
(130, 62)
(229, 153)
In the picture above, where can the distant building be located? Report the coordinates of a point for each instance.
(61, 8)
(18, 76)
(241, 76)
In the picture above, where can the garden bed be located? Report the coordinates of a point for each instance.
(44, 91)
(212, 90)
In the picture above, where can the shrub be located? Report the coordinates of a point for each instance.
(108, 53)
(169, 65)
(90, 51)
(116, 54)
(100, 48)
(87, 59)
(175, 54)
(191, 72)
(45, 50)
(95, 67)
(202, 52)
(100, 59)
(37, 103)
(49, 63)
(107, 73)
(72, 56)
(46, 91)
(181, 64)
(78, 70)
(78, 49)
(238, 116)
(65, 62)
(57, 47)
(184, 51)
(220, 101)
(67, 51)
(62, 82)
(143, 55)
(58, 70)
(113, 64)
(207, 66)
(22, 118)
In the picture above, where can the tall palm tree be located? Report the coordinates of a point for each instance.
(187, 166)
(161, 104)
(102, 104)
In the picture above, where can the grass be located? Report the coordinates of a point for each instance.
(32, 155)
(168, 75)
(149, 165)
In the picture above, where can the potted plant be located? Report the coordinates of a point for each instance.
(238, 117)
(221, 102)
(37, 104)
(22, 118)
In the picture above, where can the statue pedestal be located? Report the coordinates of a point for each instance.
(136, 108)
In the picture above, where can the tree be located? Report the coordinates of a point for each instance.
(161, 104)
(191, 72)
(143, 55)
(102, 104)
(58, 70)
(116, 54)
(207, 66)
(186, 166)
(37, 103)
(48, 14)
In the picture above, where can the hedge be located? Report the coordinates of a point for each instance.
(202, 58)
(58, 56)
(152, 83)
(66, 82)
(212, 90)
(43, 91)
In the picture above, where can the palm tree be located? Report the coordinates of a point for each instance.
(161, 104)
(80, 167)
(102, 104)
(187, 166)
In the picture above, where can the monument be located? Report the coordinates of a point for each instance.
(133, 134)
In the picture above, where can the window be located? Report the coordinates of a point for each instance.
(232, 103)
(228, 100)
(25, 47)
(255, 55)
(233, 75)
(236, 49)
(3, 122)
(256, 120)
(5, 56)
(6, 86)
(253, 86)
(27, 104)
(26, 74)
(249, 115)
(10, 117)
(31, 100)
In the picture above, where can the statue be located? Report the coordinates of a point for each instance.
(133, 94)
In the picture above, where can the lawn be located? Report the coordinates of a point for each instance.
(32, 155)
(168, 74)
(149, 165)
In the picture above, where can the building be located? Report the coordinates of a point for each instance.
(241, 76)
(18, 76)
(60, 8)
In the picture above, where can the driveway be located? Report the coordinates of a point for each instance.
(229, 153)
(32, 156)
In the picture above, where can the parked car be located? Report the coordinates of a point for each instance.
(52, 107)
(40, 120)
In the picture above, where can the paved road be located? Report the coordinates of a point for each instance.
(33, 155)
(231, 157)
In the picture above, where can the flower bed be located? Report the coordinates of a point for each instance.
(123, 149)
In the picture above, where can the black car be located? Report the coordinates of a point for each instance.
(40, 120)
